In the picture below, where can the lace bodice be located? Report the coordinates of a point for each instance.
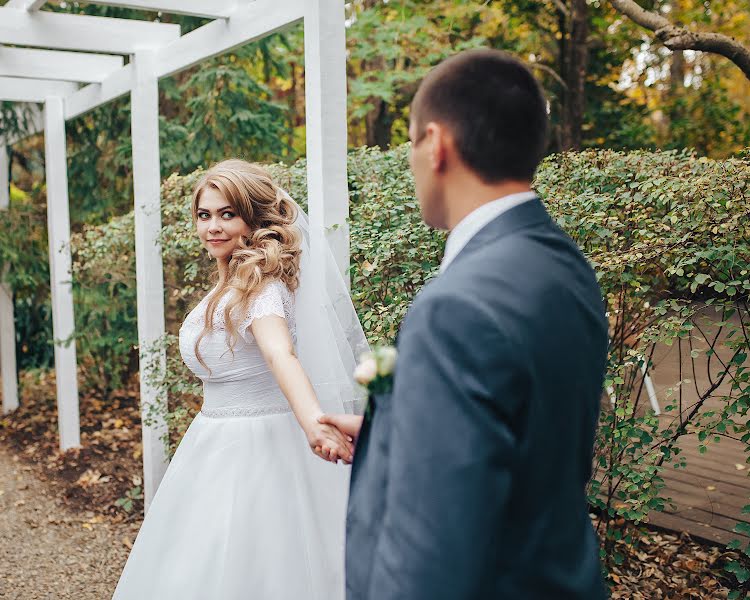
(237, 382)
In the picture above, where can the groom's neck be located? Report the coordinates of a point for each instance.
(467, 192)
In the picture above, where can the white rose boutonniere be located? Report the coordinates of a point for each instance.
(375, 372)
(366, 371)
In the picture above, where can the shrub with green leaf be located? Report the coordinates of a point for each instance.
(669, 236)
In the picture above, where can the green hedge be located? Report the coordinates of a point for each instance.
(669, 224)
(666, 224)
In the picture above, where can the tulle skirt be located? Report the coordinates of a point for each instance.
(245, 511)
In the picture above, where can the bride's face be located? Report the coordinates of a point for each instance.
(220, 228)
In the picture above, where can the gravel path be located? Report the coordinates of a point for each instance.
(48, 552)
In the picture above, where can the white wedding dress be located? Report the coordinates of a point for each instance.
(245, 510)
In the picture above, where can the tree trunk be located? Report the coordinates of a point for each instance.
(378, 125)
(574, 52)
(379, 120)
(677, 72)
(675, 111)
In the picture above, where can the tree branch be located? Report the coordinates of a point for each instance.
(679, 38)
(550, 71)
(564, 10)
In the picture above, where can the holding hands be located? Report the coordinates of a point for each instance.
(335, 428)
(328, 441)
(375, 374)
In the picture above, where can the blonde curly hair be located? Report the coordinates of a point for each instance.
(271, 252)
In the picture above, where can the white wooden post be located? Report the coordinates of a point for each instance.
(325, 101)
(149, 268)
(7, 325)
(58, 228)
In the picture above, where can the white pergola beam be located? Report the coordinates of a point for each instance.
(250, 22)
(257, 19)
(29, 5)
(89, 97)
(82, 32)
(57, 65)
(58, 231)
(7, 324)
(326, 128)
(33, 90)
(148, 264)
(215, 9)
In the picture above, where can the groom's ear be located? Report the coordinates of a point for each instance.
(437, 139)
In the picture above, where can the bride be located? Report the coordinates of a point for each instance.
(245, 509)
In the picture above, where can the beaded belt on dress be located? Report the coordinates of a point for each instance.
(245, 411)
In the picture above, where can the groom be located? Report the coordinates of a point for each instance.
(469, 479)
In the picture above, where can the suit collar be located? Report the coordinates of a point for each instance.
(524, 215)
(472, 223)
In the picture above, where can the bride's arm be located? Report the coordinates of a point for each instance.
(275, 343)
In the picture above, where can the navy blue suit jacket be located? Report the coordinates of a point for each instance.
(469, 479)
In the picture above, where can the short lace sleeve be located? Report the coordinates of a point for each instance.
(272, 300)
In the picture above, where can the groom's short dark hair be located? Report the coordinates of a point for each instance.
(494, 108)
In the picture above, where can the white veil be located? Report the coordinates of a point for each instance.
(330, 338)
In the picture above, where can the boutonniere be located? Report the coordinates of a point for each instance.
(375, 371)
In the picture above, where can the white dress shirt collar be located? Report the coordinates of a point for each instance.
(472, 223)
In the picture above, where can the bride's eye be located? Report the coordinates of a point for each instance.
(227, 214)
(203, 215)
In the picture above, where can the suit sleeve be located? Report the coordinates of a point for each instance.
(452, 451)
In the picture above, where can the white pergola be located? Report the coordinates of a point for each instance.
(71, 64)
